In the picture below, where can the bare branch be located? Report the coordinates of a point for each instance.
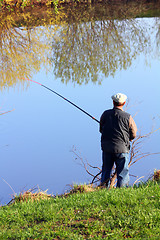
(7, 112)
(96, 176)
(138, 180)
(9, 186)
(82, 162)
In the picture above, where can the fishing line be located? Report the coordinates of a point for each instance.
(64, 99)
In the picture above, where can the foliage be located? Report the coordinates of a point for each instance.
(11, 5)
(79, 43)
(85, 49)
(110, 214)
(24, 49)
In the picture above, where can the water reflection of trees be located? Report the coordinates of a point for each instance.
(23, 49)
(80, 45)
(82, 51)
(17, 50)
(157, 38)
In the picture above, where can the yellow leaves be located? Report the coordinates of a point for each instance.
(22, 53)
(8, 1)
(24, 50)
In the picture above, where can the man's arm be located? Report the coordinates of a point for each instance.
(132, 128)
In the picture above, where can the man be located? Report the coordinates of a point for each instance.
(117, 130)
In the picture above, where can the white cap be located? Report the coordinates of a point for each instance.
(119, 98)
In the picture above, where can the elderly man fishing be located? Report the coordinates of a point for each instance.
(117, 129)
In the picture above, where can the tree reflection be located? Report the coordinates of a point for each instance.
(82, 44)
(157, 38)
(23, 49)
(85, 51)
(97, 42)
(17, 55)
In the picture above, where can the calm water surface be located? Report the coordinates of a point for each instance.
(85, 55)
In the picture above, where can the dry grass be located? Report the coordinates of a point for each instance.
(31, 195)
(156, 176)
(82, 188)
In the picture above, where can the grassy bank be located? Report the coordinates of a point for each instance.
(111, 214)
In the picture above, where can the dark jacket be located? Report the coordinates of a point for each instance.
(118, 129)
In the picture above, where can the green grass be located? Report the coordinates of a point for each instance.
(110, 214)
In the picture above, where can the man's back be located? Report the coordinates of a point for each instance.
(115, 129)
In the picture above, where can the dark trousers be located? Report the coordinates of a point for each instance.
(121, 160)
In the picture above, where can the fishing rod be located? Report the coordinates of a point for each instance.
(64, 99)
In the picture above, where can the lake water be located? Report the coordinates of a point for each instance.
(87, 54)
